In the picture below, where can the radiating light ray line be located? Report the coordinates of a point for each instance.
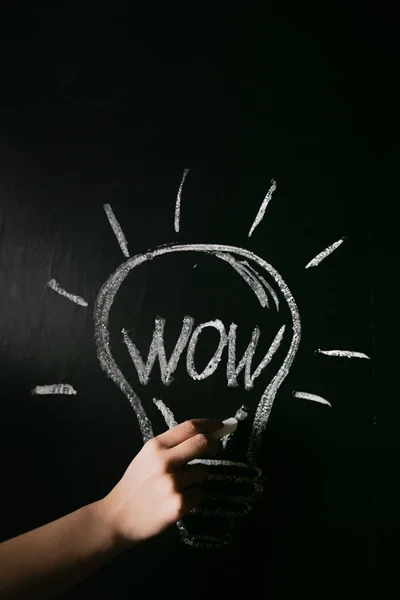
(263, 207)
(312, 397)
(342, 353)
(116, 227)
(54, 388)
(322, 255)
(178, 202)
(166, 412)
(55, 286)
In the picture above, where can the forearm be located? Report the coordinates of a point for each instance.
(50, 559)
(157, 489)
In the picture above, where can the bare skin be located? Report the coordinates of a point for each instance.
(157, 489)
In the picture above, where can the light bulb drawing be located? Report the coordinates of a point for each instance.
(232, 256)
(268, 290)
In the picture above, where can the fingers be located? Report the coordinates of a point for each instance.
(191, 448)
(188, 476)
(184, 431)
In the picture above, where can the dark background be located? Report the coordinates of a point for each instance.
(107, 105)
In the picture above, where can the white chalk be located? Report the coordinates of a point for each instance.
(229, 426)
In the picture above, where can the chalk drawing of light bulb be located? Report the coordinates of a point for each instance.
(267, 288)
(253, 270)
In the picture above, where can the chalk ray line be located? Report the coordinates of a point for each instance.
(263, 207)
(312, 397)
(322, 255)
(117, 229)
(56, 287)
(54, 388)
(342, 353)
(178, 202)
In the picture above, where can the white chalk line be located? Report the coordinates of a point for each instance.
(342, 353)
(166, 412)
(322, 255)
(178, 202)
(251, 280)
(202, 540)
(267, 286)
(263, 207)
(225, 463)
(235, 511)
(116, 227)
(312, 397)
(54, 388)
(55, 286)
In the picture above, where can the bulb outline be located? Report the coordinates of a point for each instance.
(101, 313)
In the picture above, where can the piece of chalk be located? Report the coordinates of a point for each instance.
(228, 426)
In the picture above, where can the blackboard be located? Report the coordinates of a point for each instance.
(150, 174)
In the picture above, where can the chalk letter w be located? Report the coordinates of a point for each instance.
(233, 370)
(157, 349)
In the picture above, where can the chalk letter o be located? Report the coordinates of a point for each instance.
(214, 361)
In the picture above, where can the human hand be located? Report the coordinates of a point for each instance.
(159, 488)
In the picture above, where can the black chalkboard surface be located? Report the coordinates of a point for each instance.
(185, 231)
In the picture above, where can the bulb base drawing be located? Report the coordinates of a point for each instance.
(231, 487)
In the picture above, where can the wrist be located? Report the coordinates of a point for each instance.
(105, 528)
(104, 514)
